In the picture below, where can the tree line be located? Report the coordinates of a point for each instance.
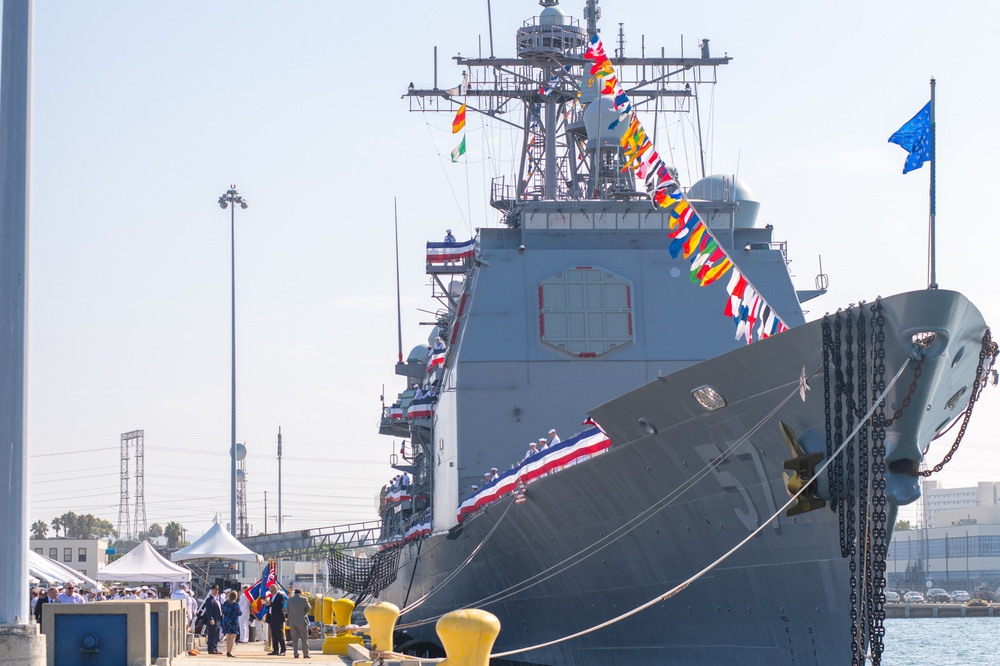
(88, 526)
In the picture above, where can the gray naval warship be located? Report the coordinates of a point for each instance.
(724, 502)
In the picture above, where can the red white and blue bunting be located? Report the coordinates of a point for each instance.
(564, 454)
(691, 236)
(421, 408)
(445, 253)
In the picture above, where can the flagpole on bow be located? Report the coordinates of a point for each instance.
(931, 249)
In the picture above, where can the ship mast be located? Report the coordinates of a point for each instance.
(567, 153)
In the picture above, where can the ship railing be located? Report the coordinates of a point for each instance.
(392, 421)
(450, 257)
(780, 246)
(538, 36)
(502, 195)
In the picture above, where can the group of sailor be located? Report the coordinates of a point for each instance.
(400, 482)
(430, 392)
(534, 448)
(542, 444)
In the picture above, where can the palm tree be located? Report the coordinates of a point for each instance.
(173, 531)
(39, 529)
(57, 525)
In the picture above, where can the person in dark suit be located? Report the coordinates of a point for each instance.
(276, 620)
(212, 608)
(48, 598)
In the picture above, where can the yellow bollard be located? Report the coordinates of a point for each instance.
(337, 644)
(382, 620)
(342, 610)
(328, 610)
(468, 636)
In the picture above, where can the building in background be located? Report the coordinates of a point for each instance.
(88, 556)
(961, 553)
(937, 499)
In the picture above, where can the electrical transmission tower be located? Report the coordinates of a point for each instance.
(138, 436)
(124, 520)
(127, 530)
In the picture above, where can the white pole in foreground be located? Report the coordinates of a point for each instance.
(20, 642)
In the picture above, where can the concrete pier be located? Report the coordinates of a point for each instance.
(256, 653)
(902, 610)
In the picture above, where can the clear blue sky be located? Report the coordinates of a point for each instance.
(144, 113)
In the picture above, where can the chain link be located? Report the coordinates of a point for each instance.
(827, 415)
(838, 436)
(879, 532)
(988, 350)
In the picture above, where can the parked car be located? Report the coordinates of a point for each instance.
(960, 596)
(937, 595)
(913, 598)
(891, 596)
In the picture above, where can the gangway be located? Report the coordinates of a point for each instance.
(315, 542)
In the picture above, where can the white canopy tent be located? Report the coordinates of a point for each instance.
(49, 571)
(144, 564)
(216, 544)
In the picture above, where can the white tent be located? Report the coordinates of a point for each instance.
(216, 544)
(144, 564)
(49, 571)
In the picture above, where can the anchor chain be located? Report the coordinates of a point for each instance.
(879, 532)
(989, 351)
(838, 436)
(865, 554)
(827, 415)
(854, 377)
(854, 368)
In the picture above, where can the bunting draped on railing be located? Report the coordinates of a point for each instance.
(568, 452)
(436, 359)
(450, 253)
(398, 495)
(421, 408)
(419, 529)
(690, 236)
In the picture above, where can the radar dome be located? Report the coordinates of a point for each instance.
(552, 16)
(241, 451)
(240, 476)
(726, 188)
(599, 114)
(418, 354)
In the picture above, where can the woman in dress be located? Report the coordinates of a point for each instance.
(231, 621)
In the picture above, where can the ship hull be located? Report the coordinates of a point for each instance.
(596, 540)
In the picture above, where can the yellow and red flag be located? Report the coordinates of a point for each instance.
(459, 122)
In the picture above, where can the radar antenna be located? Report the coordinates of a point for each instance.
(592, 12)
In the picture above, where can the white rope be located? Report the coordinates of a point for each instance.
(454, 573)
(673, 591)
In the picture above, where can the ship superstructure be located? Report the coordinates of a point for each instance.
(573, 298)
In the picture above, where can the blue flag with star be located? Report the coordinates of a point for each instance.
(915, 138)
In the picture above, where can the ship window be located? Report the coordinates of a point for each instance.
(585, 311)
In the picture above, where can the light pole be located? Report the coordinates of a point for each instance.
(231, 199)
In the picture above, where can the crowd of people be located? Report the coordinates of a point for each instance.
(224, 616)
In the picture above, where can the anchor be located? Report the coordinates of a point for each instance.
(800, 474)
